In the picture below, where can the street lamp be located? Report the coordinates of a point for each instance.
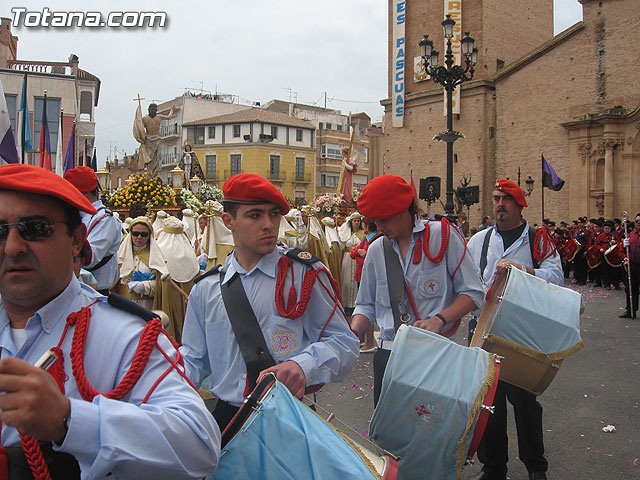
(529, 182)
(103, 179)
(449, 76)
(177, 177)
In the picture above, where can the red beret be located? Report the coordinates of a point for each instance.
(83, 178)
(513, 189)
(252, 189)
(384, 197)
(28, 178)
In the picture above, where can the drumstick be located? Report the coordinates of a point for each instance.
(167, 278)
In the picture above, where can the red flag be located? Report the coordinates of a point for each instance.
(413, 187)
(45, 141)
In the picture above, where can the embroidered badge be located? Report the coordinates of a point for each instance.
(304, 255)
(283, 342)
(425, 413)
(431, 286)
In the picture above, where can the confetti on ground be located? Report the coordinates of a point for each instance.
(366, 432)
(609, 429)
(635, 463)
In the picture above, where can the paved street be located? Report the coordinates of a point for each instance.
(596, 387)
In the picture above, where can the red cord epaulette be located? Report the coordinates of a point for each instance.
(548, 248)
(422, 244)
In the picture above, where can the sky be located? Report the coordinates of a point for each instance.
(259, 50)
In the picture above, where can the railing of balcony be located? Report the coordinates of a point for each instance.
(60, 68)
(170, 130)
(277, 176)
(302, 178)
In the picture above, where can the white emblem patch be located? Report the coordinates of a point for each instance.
(283, 342)
(431, 287)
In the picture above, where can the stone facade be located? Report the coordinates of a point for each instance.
(572, 97)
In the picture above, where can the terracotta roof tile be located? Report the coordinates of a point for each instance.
(251, 115)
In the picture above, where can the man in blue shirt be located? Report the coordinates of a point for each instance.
(304, 331)
(511, 243)
(91, 415)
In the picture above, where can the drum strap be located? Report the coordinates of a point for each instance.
(395, 282)
(485, 250)
(246, 328)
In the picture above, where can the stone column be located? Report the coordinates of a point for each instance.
(608, 177)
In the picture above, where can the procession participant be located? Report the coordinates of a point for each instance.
(302, 337)
(317, 243)
(297, 237)
(161, 216)
(189, 222)
(351, 234)
(104, 230)
(513, 242)
(605, 240)
(583, 236)
(60, 414)
(593, 252)
(82, 260)
(218, 241)
(334, 254)
(125, 225)
(358, 254)
(182, 265)
(287, 232)
(632, 243)
(441, 282)
(140, 263)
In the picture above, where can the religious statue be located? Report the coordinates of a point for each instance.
(147, 132)
(350, 160)
(191, 166)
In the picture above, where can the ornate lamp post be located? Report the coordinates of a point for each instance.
(528, 182)
(103, 180)
(177, 177)
(449, 76)
(195, 183)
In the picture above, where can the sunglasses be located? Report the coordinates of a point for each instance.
(140, 234)
(32, 230)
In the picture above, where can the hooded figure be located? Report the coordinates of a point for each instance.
(183, 267)
(140, 264)
(351, 234)
(189, 222)
(334, 254)
(218, 241)
(157, 224)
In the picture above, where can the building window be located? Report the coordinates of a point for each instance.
(319, 125)
(330, 150)
(212, 132)
(236, 164)
(12, 101)
(327, 126)
(299, 168)
(198, 137)
(328, 180)
(211, 165)
(492, 132)
(298, 134)
(274, 131)
(53, 120)
(339, 128)
(236, 131)
(274, 166)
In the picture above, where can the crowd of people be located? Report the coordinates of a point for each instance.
(246, 288)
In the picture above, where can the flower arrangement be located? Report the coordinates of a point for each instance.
(207, 192)
(328, 204)
(190, 200)
(144, 188)
(448, 136)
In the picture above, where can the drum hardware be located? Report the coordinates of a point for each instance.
(490, 409)
(624, 220)
(357, 435)
(405, 317)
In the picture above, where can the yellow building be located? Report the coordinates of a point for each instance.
(274, 145)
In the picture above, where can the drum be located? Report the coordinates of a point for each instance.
(571, 249)
(533, 324)
(276, 436)
(593, 256)
(432, 395)
(614, 255)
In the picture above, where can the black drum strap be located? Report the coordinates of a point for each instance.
(485, 249)
(395, 283)
(246, 328)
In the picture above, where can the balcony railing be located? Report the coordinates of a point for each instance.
(302, 178)
(173, 130)
(277, 176)
(60, 68)
(168, 159)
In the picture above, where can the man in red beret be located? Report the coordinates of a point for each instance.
(235, 333)
(428, 256)
(64, 423)
(104, 229)
(512, 242)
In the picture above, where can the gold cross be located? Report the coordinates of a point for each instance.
(138, 99)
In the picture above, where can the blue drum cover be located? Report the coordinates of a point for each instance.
(431, 395)
(537, 314)
(285, 440)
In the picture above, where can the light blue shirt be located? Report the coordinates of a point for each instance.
(209, 345)
(104, 239)
(518, 252)
(434, 286)
(170, 436)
